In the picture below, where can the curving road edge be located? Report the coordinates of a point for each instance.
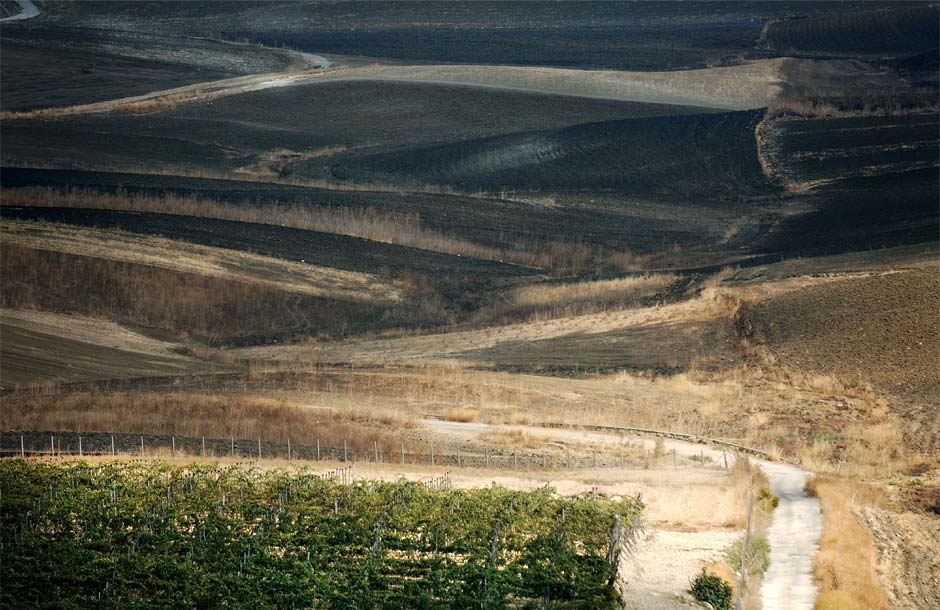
(29, 11)
(795, 525)
(794, 533)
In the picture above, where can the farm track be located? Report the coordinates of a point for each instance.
(734, 88)
(795, 526)
(29, 10)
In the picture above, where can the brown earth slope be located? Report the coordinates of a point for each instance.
(883, 329)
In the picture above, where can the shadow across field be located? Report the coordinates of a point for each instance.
(660, 348)
(710, 158)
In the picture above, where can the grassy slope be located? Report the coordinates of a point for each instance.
(46, 347)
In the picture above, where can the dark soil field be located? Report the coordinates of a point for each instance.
(42, 67)
(880, 328)
(618, 35)
(655, 348)
(708, 159)
(862, 214)
(489, 221)
(821, 150)
(899, 30)
(313, 119)
(327, 249)
(565, 34)
(30, 356)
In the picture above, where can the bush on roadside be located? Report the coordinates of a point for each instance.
(758, 555)
(713, 590)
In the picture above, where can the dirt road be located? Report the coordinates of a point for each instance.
(747, 86)
(793, 534)
(29, 11)
(794, 538)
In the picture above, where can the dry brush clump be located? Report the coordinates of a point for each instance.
(796, 106)
(549, 301)
(210, 415)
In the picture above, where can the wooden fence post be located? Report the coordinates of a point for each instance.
(288, 448)
(79, 445)
(22, 447)
(345, 451)
(112, 445)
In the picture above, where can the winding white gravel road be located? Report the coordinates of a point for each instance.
(795, 525)
(794, 538)
(29, 11)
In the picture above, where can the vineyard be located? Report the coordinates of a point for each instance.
(147, 534)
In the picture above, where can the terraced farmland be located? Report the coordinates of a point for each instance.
(816, 151)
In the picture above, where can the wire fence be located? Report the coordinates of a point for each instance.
(53, 444)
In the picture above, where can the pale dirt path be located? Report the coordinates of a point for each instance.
(793, 534)
(29, 11)
(794, 538)
(743, 87)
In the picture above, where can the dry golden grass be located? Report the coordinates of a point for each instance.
(845, 565)
(404, 229)
(269, 417)
(208, 261)
(538, 302)
(461, 414)
(212, 309)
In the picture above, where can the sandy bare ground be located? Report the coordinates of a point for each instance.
(747, 86)
(235, 265)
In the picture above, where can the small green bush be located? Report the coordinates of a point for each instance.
(767, 500)
(712, 589)
(758, 555)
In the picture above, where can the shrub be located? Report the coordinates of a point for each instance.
(767, 500)
(758, 555)
(713, 590)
